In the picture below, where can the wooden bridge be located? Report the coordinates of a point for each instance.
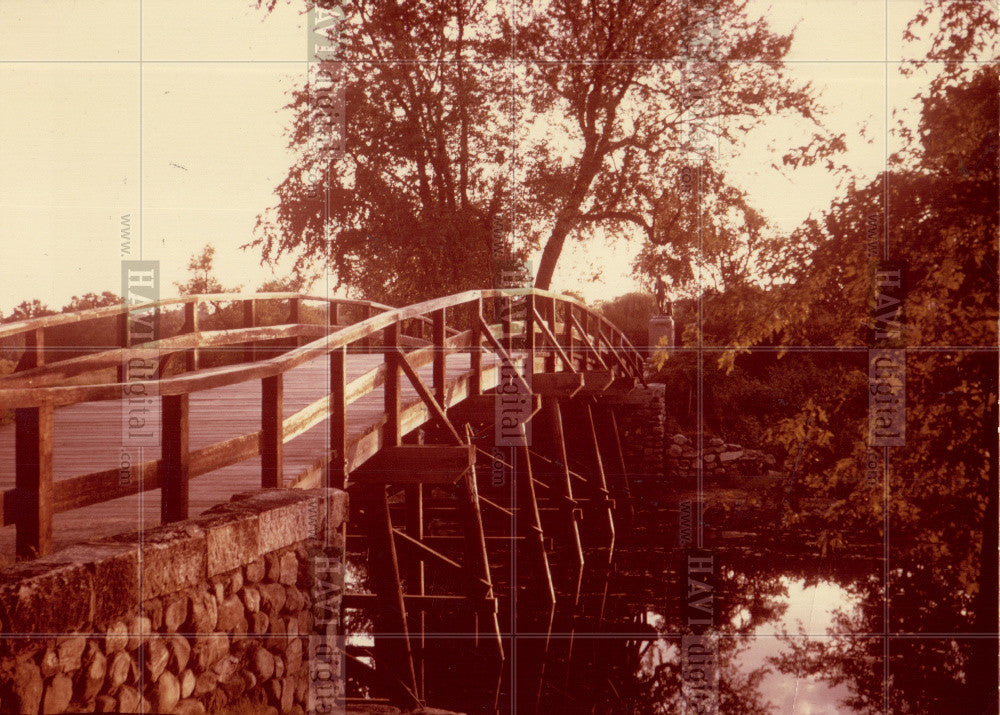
(476, 434)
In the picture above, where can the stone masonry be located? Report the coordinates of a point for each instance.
(720, 460)
(237, 607)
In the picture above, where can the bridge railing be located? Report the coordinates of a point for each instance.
(559, 332)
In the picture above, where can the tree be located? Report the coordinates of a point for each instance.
(91, 300)
(28, 309)
(441, 171)
(202, 281)
(942, 203)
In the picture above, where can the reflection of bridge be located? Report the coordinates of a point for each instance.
(402, 407)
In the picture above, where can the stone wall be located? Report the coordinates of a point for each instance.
(641, 424)
(721, 461)
(238, 606)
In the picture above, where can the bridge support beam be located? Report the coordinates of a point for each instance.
(549, 442)
(599, 508)
(33, 479)
(393, 652)
(175, 462)
(613, 461)
(272, 444)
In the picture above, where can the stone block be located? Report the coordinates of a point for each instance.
(175, 613)
(255, 571)
(230, 613)
(157, 657)
(231, 537)
(115, 570)
(288, 569)
(92, 678)
(70, 652)
(58, 694)
(168, 693)
(47, 595)
(180, 652)
(282, 526)
(174, 558)
(118, 671)
(187, 680)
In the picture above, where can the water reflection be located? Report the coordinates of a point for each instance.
(797, 633)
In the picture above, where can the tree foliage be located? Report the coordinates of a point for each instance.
(468, 136)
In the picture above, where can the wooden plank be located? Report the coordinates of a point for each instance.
(549, 307)
(483, 408)
(595, 382)
(176, 458)
(557, 384)
(272, 456)
(33, 481)
(417, 464)
(54, 373)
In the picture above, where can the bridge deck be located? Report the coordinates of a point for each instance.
(88, 437)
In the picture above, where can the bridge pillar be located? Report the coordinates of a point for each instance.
(33, 479)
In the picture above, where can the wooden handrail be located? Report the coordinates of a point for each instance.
(36, 498)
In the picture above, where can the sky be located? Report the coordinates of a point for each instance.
(168, 116)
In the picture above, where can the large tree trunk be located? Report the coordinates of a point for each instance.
(567, 218)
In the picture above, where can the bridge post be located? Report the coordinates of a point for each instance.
(175, 459)
(585, 448)
(613, 460)
(338, 418)
(124, 341)
(549, 315)
(295, 315)
(250, 321)
(549, 442)
(393, 651)
(529, 334)
(34, 350)
(334, 313)
(568, 333)
(33, 480)
(390, 342)
(439, 319)
(272, 449)
(476, 355)
(191, 322)
(366, 342)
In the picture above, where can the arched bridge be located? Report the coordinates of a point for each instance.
(476, 435)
